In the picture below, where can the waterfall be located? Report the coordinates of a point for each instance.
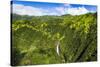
(57, 47)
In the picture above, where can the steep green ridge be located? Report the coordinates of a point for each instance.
(34, 39)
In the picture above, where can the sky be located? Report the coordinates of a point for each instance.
(33, 8)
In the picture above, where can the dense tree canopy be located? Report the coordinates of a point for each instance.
(34, 39)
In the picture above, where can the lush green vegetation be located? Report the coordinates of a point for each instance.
(34, 39)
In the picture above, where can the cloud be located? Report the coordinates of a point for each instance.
(36, 11)
(60, 10)
(30, 10)
(26, 10)
(77, 11)
(67, 5)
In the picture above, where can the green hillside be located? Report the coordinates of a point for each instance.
(35, 39)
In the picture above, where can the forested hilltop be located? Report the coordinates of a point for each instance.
(53, 39)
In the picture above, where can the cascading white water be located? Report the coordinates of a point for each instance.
(57, 47)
